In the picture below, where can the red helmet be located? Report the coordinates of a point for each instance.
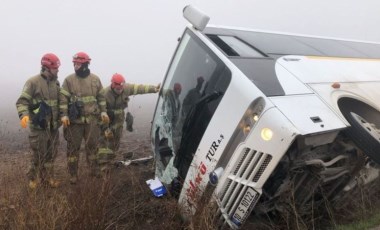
(50, 61)
(117, 80)
(81, 57)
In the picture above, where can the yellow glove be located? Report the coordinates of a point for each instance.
(108, 133)
(65, 121)
(105, 118)
(24, 121)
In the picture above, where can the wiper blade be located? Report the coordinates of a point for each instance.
(209, 97)
(194, 108)
(190, 129)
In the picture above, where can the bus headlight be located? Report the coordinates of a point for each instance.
(255, 117)
(248, 122)
(266, 134)
(215, 175)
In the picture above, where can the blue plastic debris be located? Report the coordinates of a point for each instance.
(156, 187)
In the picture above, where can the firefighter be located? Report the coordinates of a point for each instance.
(38, 107)
(82, 109)
(192, 97)
(117, 98)
(172, 104)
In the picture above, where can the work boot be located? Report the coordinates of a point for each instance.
(95, 171)
(105, 171)
(33, 184)
(53, 183)
(73, 179)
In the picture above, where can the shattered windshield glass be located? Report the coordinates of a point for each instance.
(194, 85)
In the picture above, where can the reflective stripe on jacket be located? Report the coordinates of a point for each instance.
(87, 90)
(36, 90)
(117, 103)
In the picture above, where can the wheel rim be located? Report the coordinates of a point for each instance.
(367, 126)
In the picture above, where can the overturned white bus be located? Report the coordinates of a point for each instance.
(253, 116)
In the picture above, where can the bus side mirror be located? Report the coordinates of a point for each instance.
(196, 17)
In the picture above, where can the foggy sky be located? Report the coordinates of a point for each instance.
(138, 38)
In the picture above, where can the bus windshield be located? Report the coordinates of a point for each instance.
(194, 85)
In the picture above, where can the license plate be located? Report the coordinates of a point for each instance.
(244, 207)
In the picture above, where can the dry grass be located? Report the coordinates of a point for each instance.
(119, 200)
(122, 200)
(356, 209)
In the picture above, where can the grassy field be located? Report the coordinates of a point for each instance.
(122, 200)
(119, 200)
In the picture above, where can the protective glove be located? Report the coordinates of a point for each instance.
(65, 121)
(108, 133)
(105, 118)
(24, 121)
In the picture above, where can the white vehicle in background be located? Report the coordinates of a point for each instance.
(255, 116)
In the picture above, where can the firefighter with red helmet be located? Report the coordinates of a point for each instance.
(38, 108)
(82, 109)
(117, 98)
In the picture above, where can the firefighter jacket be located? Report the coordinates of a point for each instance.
(116, 103)
(37, 91)
(85, 94)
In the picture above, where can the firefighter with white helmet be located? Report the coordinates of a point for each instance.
(82, 109)
(38, 107)
(117, 98)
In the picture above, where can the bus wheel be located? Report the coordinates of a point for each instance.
(365, 132)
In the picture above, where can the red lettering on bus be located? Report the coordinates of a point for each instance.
(192, 191)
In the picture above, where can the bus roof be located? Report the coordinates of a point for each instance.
(273, 44)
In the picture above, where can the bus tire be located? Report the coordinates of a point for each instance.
(364, 134)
